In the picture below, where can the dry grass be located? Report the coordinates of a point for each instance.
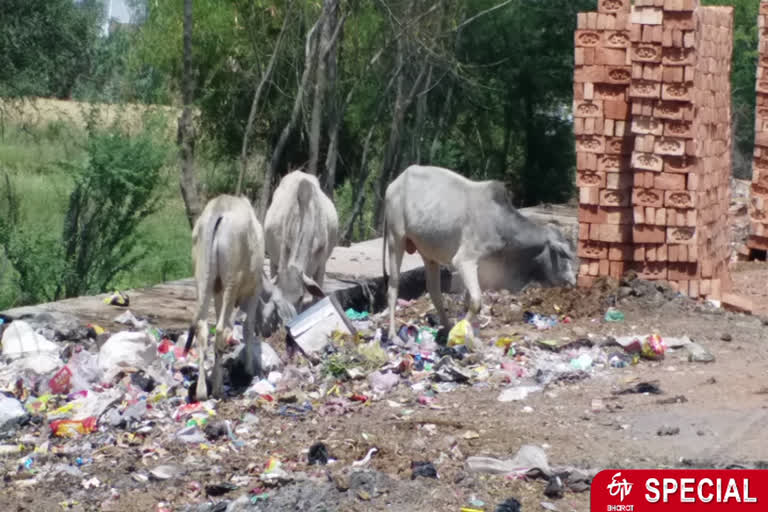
(39, 112)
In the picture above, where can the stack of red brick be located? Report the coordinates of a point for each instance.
(758, 211)
(601, 126)
(664, 214)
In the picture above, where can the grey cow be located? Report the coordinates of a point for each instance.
(473, 226)
(301, 229)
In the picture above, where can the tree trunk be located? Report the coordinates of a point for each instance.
(277, 154)
(321, 81)
(255, 103)
(190, 188)
(392, 152)
(335, 112)
(421, 111)
(440, 125)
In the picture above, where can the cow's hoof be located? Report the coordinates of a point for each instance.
(193, 393)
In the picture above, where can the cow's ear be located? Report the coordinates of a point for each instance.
(312, 287)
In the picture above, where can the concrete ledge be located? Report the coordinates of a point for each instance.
(353, 274)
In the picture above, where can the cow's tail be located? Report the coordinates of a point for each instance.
(206, 260)
(384, 253)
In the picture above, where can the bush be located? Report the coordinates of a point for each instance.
(116, 187)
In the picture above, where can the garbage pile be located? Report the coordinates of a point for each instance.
(68, 393)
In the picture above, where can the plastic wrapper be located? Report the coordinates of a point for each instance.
(73, 428)
(461, 334)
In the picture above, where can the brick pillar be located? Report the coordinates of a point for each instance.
(758, 207)
(601, 127)
(674, 188)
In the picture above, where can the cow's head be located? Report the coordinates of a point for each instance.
(293, 282)
(559, 259)
(275, 309)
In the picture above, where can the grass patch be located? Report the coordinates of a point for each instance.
(30, 154)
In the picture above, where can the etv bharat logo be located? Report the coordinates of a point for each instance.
(622, 488)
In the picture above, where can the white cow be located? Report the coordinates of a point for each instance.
(473, 226)
(228, 251)
(301, 229)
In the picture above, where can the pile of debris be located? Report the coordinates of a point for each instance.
(73, 394)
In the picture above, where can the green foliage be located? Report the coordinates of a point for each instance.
(744, 68)
(116, 186)
(115, 190)
(46, 45)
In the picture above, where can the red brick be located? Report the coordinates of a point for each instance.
(673, 74)
(591, 214)
(618, 215)
(621, 181)
(651, 271)
(585, 281)
(693, 288)
(679, 199)
(650, 215)
(617, 233)
(591, 179)
(588, 108)
(612, 56)
(679, 165)
(647, 197)
(622, 252)
(647, 161)
(681, 235)
(586, 38)
(592, 250)
(644, 234)
(735, 302)
(618, 109)
(669, 181)
(681, 271)
(615, 197)
(604, 268)
(589, 195)
(616, 269)
(583, 231)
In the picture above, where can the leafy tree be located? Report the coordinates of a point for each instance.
(46, 45)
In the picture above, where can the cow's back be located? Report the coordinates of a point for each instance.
(282, 222)
(437, 209)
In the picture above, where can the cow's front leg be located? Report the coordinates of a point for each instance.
(252, 339)
(396, 250)
(468, 272)
(432, 273)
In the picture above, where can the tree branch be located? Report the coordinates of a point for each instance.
(256, 97)
(480, 14)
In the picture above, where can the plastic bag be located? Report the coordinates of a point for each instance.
(653, 347)
(73, 428)
(461, 334)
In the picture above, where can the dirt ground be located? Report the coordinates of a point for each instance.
(720, 409)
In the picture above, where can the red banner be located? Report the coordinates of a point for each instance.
(679, 490)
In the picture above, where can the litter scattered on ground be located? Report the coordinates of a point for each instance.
(69, 405)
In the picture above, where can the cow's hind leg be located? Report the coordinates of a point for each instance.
(396, 249)
(432, 273)
(252, 339)
(201, 322)
(223, 330)
(468, 272)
